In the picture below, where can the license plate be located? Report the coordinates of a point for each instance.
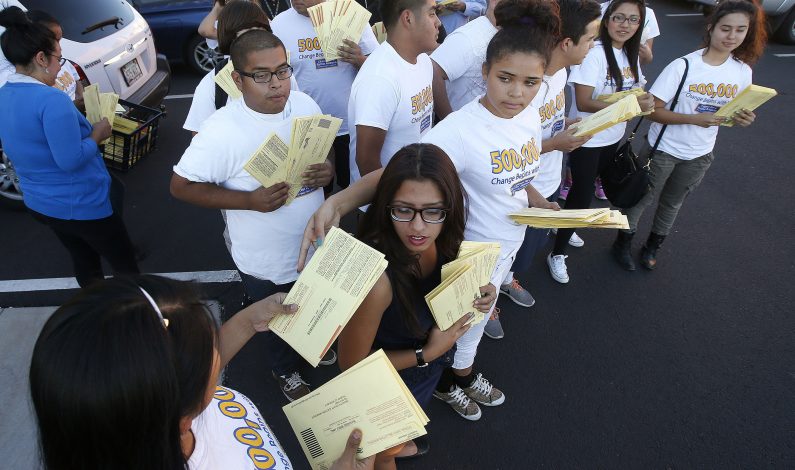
(131, 72)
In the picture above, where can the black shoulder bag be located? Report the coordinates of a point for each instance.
(220, 94)
(624, 180)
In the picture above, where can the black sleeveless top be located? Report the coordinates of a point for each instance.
(393, 332)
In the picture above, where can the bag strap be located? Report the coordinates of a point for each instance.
(220, 94)
(673, 104)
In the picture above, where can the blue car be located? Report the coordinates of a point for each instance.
(175, 25)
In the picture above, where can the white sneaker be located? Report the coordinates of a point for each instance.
(576, 241)
(557, 268)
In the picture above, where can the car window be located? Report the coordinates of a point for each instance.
(82, 20)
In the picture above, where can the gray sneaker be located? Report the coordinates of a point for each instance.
(517, 293)
(484, 392)
(329, 359)
(293, 386)
(493, 327)
(460, 403)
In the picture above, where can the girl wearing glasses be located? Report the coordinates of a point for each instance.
(417, 220)
(55, 151)
(609, 67)
(735, 39)
(495, 144)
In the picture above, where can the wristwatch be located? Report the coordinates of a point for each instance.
(420, 360)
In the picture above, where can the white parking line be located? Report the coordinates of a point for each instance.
(784, 55)
(684, 14)
(177, 97)
(62, 283)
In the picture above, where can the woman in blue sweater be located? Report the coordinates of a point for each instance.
(56, 155)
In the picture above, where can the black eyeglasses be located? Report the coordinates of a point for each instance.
(407, 214)
(61, 59)
(620, 18)
(265, 77)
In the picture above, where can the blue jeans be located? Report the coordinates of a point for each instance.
(283, 358)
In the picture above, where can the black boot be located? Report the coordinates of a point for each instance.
(622, 250)
(648, 254)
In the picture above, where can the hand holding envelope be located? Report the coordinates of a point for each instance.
(369, 396)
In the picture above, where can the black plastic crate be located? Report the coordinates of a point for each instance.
(123, 150)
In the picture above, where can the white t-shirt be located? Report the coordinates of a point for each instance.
(551, 104)
(231, 434)
(67, 79)
(202, 105)
(213, 43)
(394, 95)
(461, 56)
(327, 82)
(7, 68)
(264, 245)
(707, 88)
(650, 28)
(594, 72)
(496, 160)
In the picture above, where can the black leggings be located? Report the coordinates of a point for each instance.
(586, 164)
(87, 240)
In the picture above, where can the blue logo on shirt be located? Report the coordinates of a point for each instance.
(707, 108)
(322, 64)
(425, 123)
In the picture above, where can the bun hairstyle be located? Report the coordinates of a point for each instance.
(631, 46)
(110, 380)
(23, 38)
(237, 17)
(526, 26)
(415, 162)
(755, 39)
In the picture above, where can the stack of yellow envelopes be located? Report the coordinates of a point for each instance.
(329, 290)
(310, 141)
(614, 97)
(622, 110)
(336, 21)
(369, 396)
(750, 98)
(100, 105)
(570, 218)
(380, 32)
(462, 279)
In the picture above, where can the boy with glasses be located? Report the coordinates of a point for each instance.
(265, 235)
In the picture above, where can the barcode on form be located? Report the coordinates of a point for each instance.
(311, 443)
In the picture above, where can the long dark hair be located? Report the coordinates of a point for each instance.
(631, 46)
(415, 162)
(109, 383)
(526, 26)
(23, 38)
(755, 40)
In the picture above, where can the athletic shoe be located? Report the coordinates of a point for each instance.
(599, 191)
(493, 327)
(557, 268)
(564, 190)
(293, 386)
(329, 359)
(484, 393)
(576, 241)
(517, 293)
(460, 403)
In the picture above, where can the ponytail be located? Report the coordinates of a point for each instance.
(23, 39)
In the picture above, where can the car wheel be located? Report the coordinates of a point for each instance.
(199, 55)
(786, 30)
(10, 192)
